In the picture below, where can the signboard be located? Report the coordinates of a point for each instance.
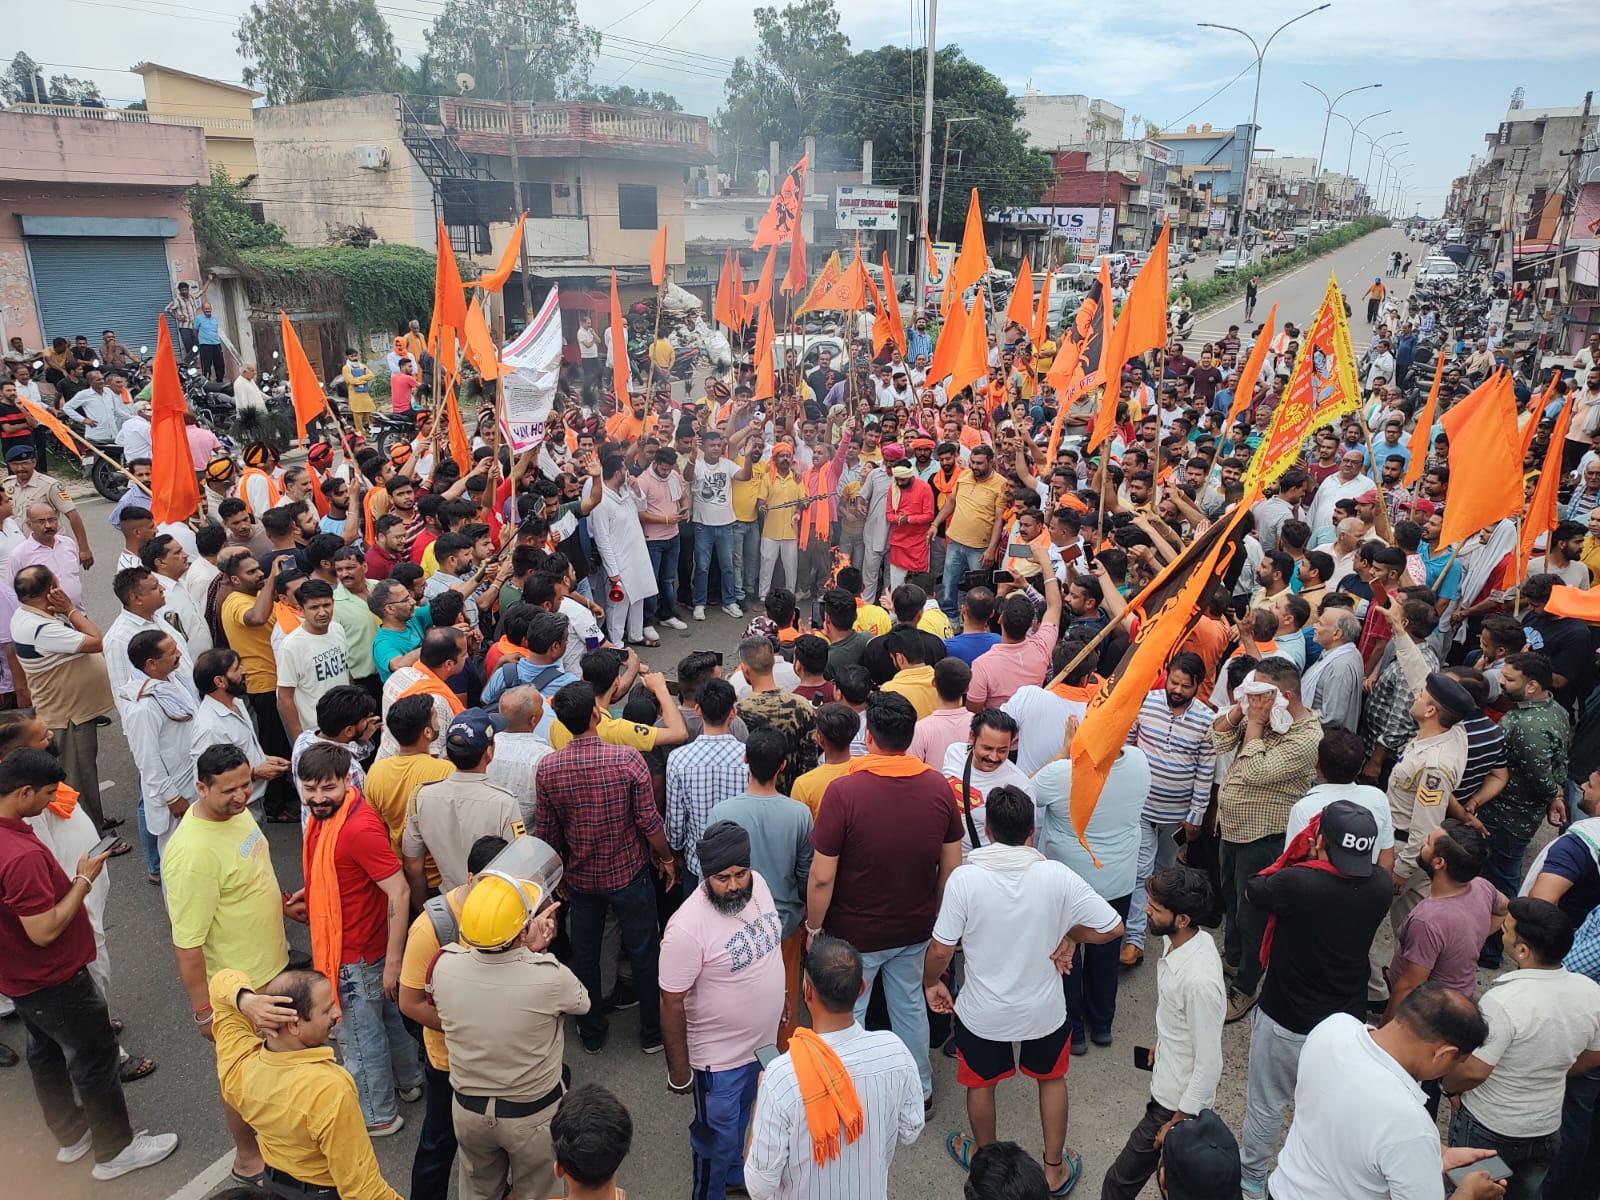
(1498, 311)
(944, 257)
(535, 358)
(1219, 218)
(866, 208)
(1074, 224)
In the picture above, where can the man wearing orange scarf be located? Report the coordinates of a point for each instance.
(830, 1112)
(442, 655)
(358, 907)
(887, 836)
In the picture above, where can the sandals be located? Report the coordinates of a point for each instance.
(119, 849)
(259, 1182)
(153, 878)
(136, 1068)
(962, 1157)
(647, 643)
(1075, 1161)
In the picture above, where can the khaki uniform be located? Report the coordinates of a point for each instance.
(41, 489)
(503, 1016)
(448, 816)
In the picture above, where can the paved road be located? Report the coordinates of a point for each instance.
(1108, 1095)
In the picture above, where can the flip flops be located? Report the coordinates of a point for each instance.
(1074, 1161)
(136, 1068)
(959, 1147)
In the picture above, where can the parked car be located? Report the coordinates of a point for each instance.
(1075, 275)
(1437, 267)
(1230, 261)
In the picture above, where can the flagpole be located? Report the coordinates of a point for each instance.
(499, 392)
(1382, 511)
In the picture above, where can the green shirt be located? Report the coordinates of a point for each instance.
(390, 644)
(847, 651)
(1536, 734)
(351, 611)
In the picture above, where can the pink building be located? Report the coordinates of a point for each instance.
(94, 231)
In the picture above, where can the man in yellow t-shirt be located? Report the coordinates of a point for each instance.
(836, 727)
(781, 497)
(248, 619)
(609, 688)
(972, 516)
(392, 782)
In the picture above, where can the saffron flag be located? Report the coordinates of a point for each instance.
(784, 212)
(174, 487)
(973, 261)
(725, 308)
(1141, 326)
(826, 278)
(849, 292)
(1039, 330)
(1020, 310)
(449, 303)
(1574, 602)
(658, 258)
(948, 347)
(460, 445)
(972, 359)
(1537, 412)
(305, 389)
(1245, 390)
(480, 345)
(1169, 609)
(1544, 509)
(762, 295)
(794, 279)
(1422, 435)
(496, 279)
(1322, 387)
(619, 346)
(1483, 433)
(736, 303)
(50, 421)
(766, 372)
(895, 328)
(1077, 367)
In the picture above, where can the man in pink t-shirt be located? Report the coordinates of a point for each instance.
(666, 507)
(722, 995)
(1021, 658)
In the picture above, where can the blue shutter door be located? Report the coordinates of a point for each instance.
(88, 284)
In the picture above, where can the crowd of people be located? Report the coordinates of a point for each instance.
(816, 866)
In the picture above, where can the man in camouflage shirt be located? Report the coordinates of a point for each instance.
(770, 707)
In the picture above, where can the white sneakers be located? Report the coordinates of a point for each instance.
(146, 1150)
(410, 1095)
(733, 610)
(387, 1129)
(699, 612)
(72, 1153)
(650, 634)
(674, 623)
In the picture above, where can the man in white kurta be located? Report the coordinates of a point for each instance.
(624, 557)
(1350, 481)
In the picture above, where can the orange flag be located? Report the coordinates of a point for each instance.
(460, 445)
(496, 279)
(174, 488)
(794, 279)
(973, 260)
(766, 369)
(449, 303)
(972, 359)
(826, 278)
(1251, 375)
(1141, 326)
(948, 347)
(891, 310)
(1538, 412)
(1039, 330)
(1544, 509)
(762, 295)
(1422, 435)
(1574, 602)
(45, 417)
(784, 212)
(480, 344)
(304, 387)
(736, 303)
(1020, 310)
(619, 347)
(849, 292)
(1483, 432)
(721, 310)
(658, 258)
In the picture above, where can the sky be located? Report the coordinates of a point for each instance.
(1445, 77)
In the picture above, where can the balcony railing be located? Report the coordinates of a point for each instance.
(577, 121)
(217, 124)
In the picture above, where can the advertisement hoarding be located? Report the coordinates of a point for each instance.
(867, 207)
(1092, 225)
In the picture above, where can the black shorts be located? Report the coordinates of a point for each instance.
(982, 1063)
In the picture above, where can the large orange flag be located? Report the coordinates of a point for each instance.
(1020, 310)
(1422, 436)
(849, 292)
(1582, 603)
(658, 258)
(766, 369)
(1544, 508)
(973, 260)
(1039, 330)
(895, 330)
(762, 295)
(619, 347)
(948, 348)
(725, 308)
(1537, 413)
(460, 445)
(1245, 389)
(449, 303)
(1080, 355)
(50, 421)
(304, 387)
(174, 488)
(480, 343)
(794, 279)
(784, 212)
(1483, 432)
(496, 279)
(736, 304)
(1141, 326)
(972, 359)
(826, 278)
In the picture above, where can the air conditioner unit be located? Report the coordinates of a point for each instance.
(749, 224)
(372, 157)
(563, 191)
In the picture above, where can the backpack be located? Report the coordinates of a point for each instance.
(443, 918)
(507, 673)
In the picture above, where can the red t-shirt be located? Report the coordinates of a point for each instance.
(887, 835)
(420, 544)
(32, 882)
(379, 562)
(362, 858)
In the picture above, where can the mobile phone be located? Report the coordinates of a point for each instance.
(1495, 1165)
(717, 654)
(765, 1055)
(1004, 577)
(1180, 837)
(1144, 1058)
(1071, 553)
(103, 845)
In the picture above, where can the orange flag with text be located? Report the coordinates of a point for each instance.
(784, 212)
(174, 488)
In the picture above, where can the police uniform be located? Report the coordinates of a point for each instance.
(41, 489)
(503, 1015)
(446, 817)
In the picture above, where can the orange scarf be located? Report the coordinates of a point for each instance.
(288, 619)
(945, 487)
(832, 1108)
(889, 766)
(431, 685)
(324, 908)
(1083, 691)
(814, 517)
(65, 802)
(509, 649)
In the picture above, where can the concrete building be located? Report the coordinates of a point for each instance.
(95, 233)
(1062, 122)
(222, 110)
(1214, 158)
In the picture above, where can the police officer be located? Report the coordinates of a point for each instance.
(501, 1000)
(26, 486)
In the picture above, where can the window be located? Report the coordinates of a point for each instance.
(536, 198)
(469, 239)
(636, 206)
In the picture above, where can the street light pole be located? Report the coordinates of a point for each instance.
(1255, 103)
(1316, 173)
(1372, 145)
(945, 164)
(921, 257)
(1355, 128)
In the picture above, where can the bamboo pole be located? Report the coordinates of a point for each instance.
(499, 402)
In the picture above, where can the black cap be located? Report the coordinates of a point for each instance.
(1450, 695)
(1201, 1159)
(1349, 832)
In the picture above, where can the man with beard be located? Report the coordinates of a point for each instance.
(223, 718)
(722, 995)
(972, 515)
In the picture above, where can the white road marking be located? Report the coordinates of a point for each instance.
(202, 1184)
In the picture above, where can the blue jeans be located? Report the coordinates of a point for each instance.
(958, 560)
(436, 1144)
(721, 540)
(1575, 1170)
(1528, 1157)
(722, 1102)
(1503, 868)
(635, 906)
(1091, 985)
(1157, 853)
(377, 1051)
(664, 566)
(902, 991)
(747, 558)
(147, 840)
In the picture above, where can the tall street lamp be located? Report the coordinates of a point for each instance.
(944, 165)
(1355, 128)
(1384, 163)
(1255, 103)
(1372, 145)
(1316, 173)
(1392, 167)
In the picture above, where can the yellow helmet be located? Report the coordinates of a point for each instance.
(497, 909)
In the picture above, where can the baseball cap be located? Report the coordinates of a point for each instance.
(1370, 496)
(1201, 1159)
(1349, 832)
(16, 452)
(474, 729)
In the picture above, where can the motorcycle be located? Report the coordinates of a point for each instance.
(211, 402)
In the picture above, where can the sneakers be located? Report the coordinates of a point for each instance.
(699, 612)
(387, 1129)
(409, 1095)
(1239, 1004)
(72, 1153)
(650, 634)
(674, 623)
(146, 1150)
(622, 996)
(1131, 955)
(733, 610)
(654, 1047)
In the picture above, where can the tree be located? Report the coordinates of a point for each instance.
(556, 49)
(776, 93)
(223, 223)
(69, 89)
(298, 50)
(22, 83)
(630, 97)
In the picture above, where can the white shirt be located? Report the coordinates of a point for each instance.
(1360, 1131)
(588, 344)
(1009, 908)
(983, 782)
(784, 676)
(100, 407)
(313, 664)
(515, 763)
(1329, 492)
(162, 750)
(779, 1161)
(182, 613)
(134, 437)
(583, 634)
(116, 639)
(1540, 1021)
(1191, 1002)
(216, 723)
(1042, 720)
(1574, 574)
(1324, 794)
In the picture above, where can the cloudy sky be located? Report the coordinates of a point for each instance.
(1443, 66)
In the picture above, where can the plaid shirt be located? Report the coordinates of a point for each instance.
(700, 776)
(1266, 778)
(1387, 718)
(1584, 957)
(596, 809)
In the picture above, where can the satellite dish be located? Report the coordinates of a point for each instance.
(465, 83)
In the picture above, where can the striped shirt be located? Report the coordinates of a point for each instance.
(1178, 745)
(700, 776)
(779, 1162)
(1486, 751)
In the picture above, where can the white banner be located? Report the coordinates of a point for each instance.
(858, 207)
(1075, 224)
(535, 358)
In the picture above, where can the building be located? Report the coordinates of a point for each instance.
(1112, 194)
(96, 233)
(1524, 177)
(597, 180)
(222, 110)
(1214, 158)
(1059, 122)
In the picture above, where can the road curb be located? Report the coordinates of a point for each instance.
(1279, 279)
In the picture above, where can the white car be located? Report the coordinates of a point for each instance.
(1438, 267)
(1230, 261)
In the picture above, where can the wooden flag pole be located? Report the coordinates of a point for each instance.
(1089, 647)
(499, 403)
(1381, 520)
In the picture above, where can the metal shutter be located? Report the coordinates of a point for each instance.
(88, 284)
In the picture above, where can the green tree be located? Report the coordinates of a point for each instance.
(631, 97)
(223, 224)
(556, 55)
(776, 93)
(298, 50)
(22, 83)
(69, 89)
